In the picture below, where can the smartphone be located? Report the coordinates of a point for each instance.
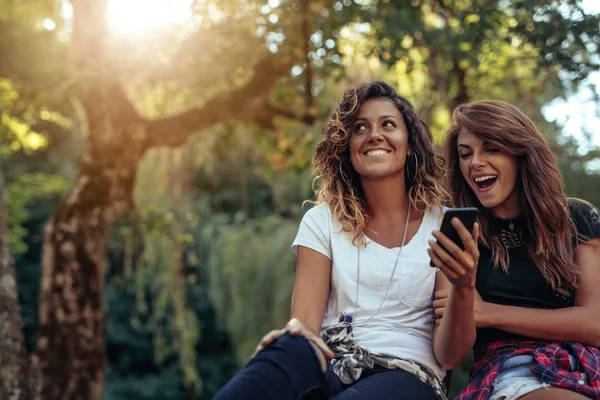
(467, 216)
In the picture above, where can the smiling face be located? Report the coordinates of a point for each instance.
(379, 140)
(490, 173)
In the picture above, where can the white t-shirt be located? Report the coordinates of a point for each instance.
(403, 327)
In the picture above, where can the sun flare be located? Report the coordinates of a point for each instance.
(139, 16)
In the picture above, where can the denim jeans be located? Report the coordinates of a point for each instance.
(289, 369)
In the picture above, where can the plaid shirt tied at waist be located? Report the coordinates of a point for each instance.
(551, 365)
(351, 360)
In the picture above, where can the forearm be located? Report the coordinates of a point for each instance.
(308, 313)
(574, 324)
(456, 333)
(311, 288)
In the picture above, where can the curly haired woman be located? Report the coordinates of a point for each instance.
(362, 322)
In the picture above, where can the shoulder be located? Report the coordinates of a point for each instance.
(585, 217)
(583, 212)
(581, 209)
(319, 211)
(315, 231)
(320, 215)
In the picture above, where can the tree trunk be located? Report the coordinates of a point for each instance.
(14, 371)
(70, 342)
(70, 337)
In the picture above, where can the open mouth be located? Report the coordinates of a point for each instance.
(485, 182)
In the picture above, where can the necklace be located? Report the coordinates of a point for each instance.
(349, 318)
(511, 223)
(510, 238)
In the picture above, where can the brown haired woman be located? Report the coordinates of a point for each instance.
(363, 280)
(538, 316)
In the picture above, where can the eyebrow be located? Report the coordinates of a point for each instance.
(382, 117)
(464, 145)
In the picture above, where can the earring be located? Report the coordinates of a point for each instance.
(343, 176)
(416, 163)
(412, 176)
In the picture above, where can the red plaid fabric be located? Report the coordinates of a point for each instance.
(551, 365)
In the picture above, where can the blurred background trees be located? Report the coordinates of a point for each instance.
(165, 147)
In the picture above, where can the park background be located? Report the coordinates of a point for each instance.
(168, 143)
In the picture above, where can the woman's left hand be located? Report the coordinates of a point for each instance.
(459, 266)
(295, 328)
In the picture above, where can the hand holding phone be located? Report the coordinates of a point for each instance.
(455, 252)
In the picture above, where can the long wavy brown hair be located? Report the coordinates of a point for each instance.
(543, 201)
(339, 184)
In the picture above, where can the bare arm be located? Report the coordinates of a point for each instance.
(454, 336)
(311, 288)
(580, 323)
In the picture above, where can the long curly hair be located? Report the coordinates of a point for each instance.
(543, 201)
(339, 184)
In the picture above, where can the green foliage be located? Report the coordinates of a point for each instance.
(28, 127)
(206, 191)
(26, 191)
(24, 123)
(442, 54)
(134, 369)
(456, 32)
(251, 279)
(153, 273)
(564, 33)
